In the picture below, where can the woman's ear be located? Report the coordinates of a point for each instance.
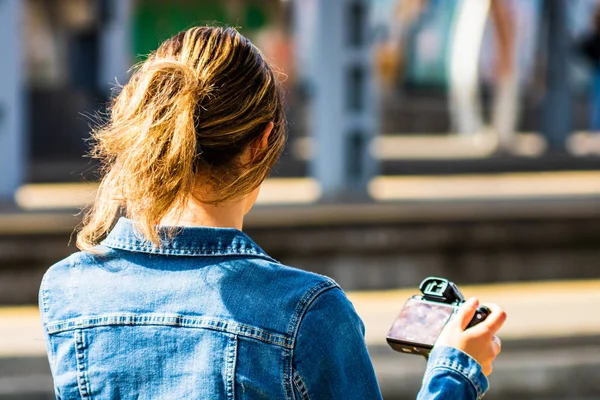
(263, 142)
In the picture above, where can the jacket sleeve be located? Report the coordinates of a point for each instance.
(330, 359)
(452, 374)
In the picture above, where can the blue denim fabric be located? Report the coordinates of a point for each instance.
(452, 374)
(209, 315)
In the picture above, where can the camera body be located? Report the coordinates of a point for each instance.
(423, 318)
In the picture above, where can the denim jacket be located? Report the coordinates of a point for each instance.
(209, 315)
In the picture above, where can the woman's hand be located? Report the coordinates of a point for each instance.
(478, 341)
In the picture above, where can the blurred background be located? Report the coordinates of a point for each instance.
(457, 138)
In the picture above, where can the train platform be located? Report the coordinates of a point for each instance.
(509, 227)
(522, 226)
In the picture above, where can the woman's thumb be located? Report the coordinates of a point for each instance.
(466, 312)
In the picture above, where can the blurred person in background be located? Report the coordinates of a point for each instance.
(446, 38)
(168, 299)
(506, 80)
(468, 36)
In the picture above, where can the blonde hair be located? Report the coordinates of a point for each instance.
(182, 121)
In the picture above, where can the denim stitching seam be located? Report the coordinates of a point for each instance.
(82, 381)
(301, 386)
(452, 366)
(44, 291)
(231, 364)
(135, 246)
(304, 303)
(299, 312)
(171, 320)
(287, 376)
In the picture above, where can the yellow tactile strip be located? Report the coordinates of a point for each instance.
(281, 191)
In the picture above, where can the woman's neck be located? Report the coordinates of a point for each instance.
(197, 214)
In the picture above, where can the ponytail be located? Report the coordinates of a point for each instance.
(185, 116)
(156, 147)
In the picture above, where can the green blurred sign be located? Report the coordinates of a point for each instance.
(157, 20)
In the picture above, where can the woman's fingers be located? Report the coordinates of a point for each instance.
(497, 343)
(493, 322)
(466, 312)
(478, 341)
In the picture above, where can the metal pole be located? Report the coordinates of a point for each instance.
(116, 54)
(343, 106)
(11, 100)
(556, 111)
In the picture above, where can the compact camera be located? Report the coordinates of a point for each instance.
(423, 318)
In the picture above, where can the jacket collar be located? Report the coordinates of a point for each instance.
(188, 241)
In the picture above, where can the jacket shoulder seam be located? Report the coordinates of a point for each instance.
(305, 303)
(44, 291)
